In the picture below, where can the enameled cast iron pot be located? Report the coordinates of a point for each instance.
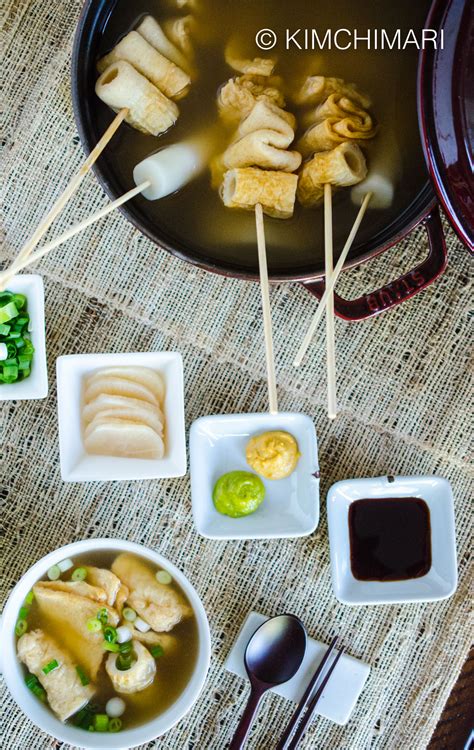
(423, 210)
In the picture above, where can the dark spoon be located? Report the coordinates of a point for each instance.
(273, 656)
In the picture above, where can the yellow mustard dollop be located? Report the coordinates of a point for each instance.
(273, 455)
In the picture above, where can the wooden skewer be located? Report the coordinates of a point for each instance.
(79, 228)
(330, 333)
(66, 194)
(332, 282)
(267, 316)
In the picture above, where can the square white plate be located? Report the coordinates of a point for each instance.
(76, 464)
(440, 581)
(36, 385)
(340, 694)
(291, 506)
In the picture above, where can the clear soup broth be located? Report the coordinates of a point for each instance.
(196, 216)
(174, 666)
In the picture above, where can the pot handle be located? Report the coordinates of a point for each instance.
(397, 291)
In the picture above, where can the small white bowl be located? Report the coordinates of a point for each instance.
(76, 464)
(41, 715)
(291, 505)
(36, 385)
(441, 580)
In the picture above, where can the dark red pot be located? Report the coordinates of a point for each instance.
(424, 210)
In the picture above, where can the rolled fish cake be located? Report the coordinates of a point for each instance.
(150, 111)
(342, 166)
(163, 73)
(275, 191)
(154, 34)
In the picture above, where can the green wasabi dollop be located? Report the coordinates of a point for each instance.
(238, 493)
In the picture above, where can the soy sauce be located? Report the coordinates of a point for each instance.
(390, 539)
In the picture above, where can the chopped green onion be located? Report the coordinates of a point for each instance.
(80, 574)
(103, 615)
(126, 648)
(19, 300)
(54, 573)
(4, 329)
(21, 627)
(129, 614)
(101, 722)
(124, 661)
(162, 576)
(50, 667)
(31, 681)
(157, 651)
(115, 725)
(82, 676)
(113, 647)
(29, 598)
(110, 634)
(94, 625)
(23, 613)
(7, 312)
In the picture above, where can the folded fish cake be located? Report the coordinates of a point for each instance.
(160, 605)
(65, 692)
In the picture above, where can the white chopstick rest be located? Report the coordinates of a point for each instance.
(169, 169)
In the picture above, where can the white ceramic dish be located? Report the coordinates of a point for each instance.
(36, 385)
(342, 691)
(441, 580)
(291, 506)
(76, 464)
(40, 714)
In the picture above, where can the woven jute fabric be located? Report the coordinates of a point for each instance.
(403, 389)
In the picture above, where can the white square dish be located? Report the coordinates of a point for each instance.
(36, 385)
(291, 506)
(441, 580)
(76, 464)
(340, 694)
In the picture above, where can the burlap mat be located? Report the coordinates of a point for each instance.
(403, 390)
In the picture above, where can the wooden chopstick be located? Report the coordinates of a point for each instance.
(330, 327)
(287, 734)
(303, 725)
(59, 204)
(267, 315)
(332, 283)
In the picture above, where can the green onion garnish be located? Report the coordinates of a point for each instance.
(162, 576)
(125, 648)
(54, 573)
(82, 676)
(21, 627)
(103, 616)
(52, 665)
(101, 722)
(14, 334)
(23, 613)
(115, 725)
(33, 684)
(31, 681)
(94, 625)
(157, 651)
(29, 598)
(129, 614)
(124, 661)
(113, 647)
(110, 634)
(80, 574)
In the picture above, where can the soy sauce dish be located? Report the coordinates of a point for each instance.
(392, 540)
